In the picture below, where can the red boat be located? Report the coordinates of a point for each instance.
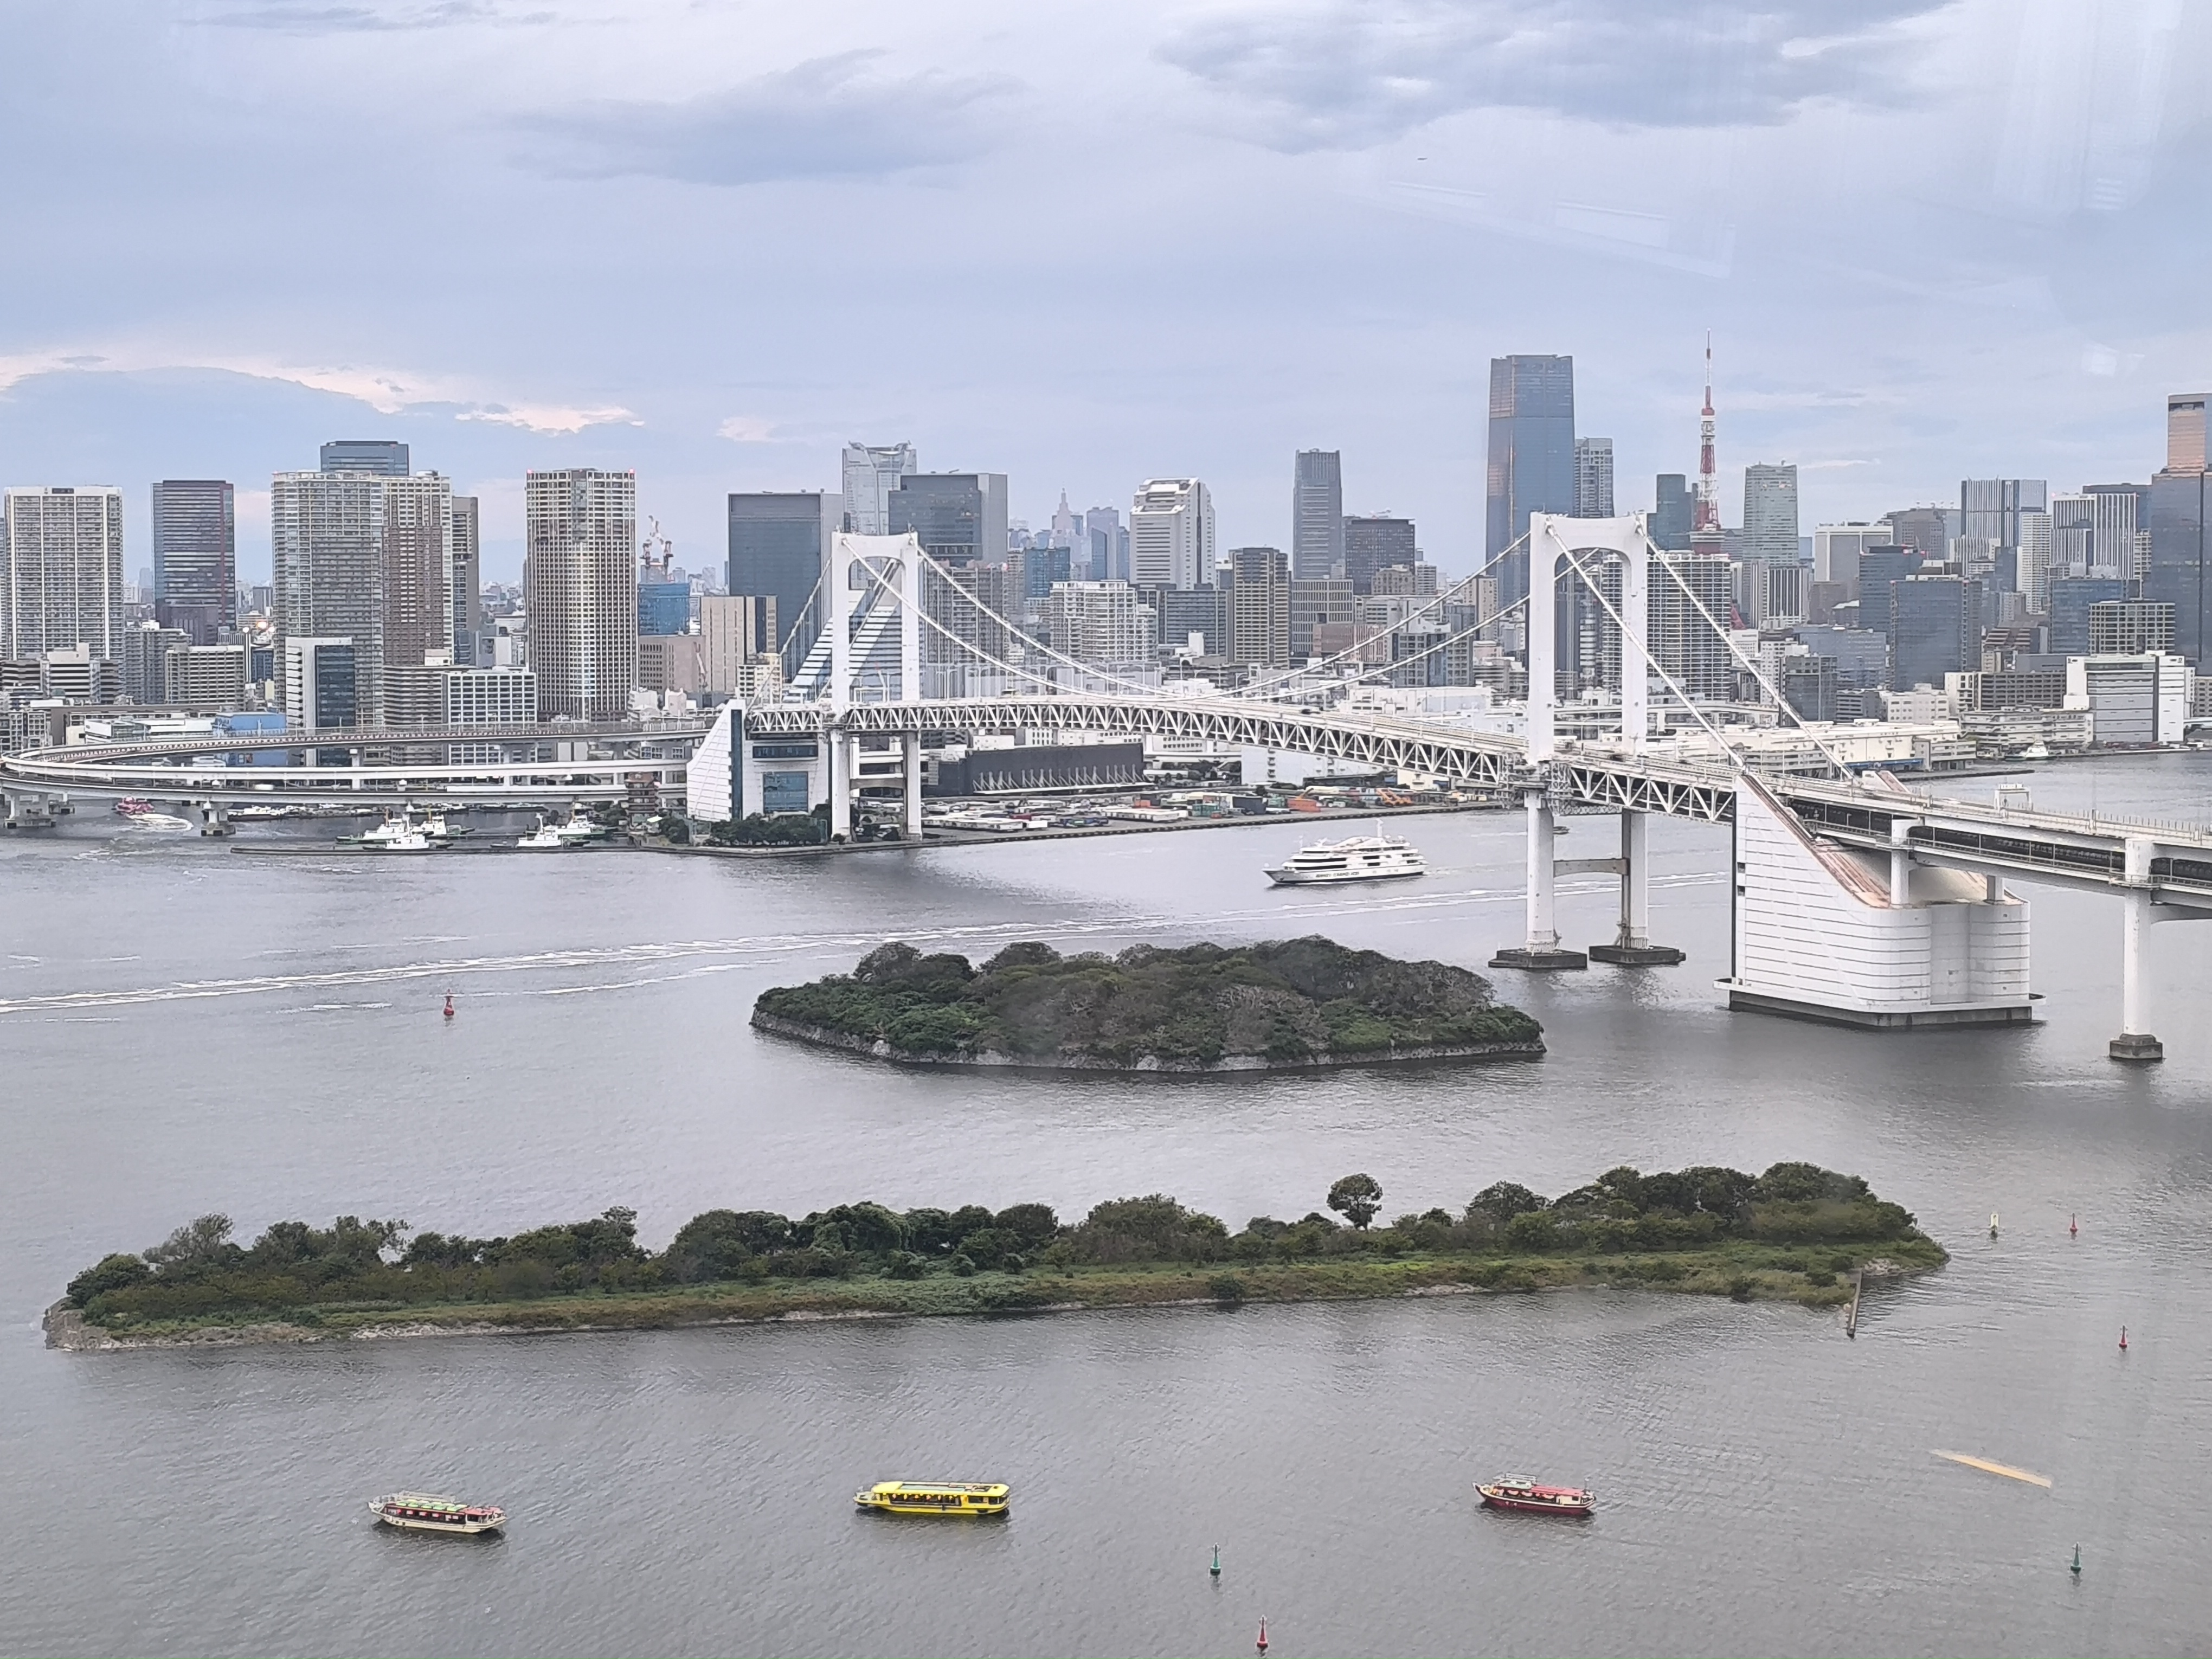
(1525, 1496)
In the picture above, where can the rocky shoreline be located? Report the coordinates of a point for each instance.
(1150, 1065)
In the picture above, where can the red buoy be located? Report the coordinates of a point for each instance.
(2123, 1338)
(449, 1005)
(2073, 1227)
(1263, 1633)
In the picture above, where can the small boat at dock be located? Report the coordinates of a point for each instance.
(1525, 1497)
(420, 1511)
(934, 1498)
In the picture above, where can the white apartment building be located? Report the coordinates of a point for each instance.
(1171, 534)
(580, 590)
(1103, 623)
(63, 581)
(490, 696)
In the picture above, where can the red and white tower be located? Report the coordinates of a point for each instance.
(1705, 534)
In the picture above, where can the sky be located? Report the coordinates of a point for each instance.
(1086, 244)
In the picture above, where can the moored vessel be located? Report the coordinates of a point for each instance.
(934, 1498)
(1525, 1497)
(1356, 858)
(420, 1511)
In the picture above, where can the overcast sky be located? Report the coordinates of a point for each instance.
(1084, 244)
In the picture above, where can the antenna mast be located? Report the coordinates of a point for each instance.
(1709, 498)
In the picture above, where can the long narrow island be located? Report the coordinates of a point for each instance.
(1298, 1003)
(1796, 1233)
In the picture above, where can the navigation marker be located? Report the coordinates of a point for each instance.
(1215, 1569)
(2076, 1568)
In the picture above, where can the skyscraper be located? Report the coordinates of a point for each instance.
(1259, 609)
(195, 557)
(959, 518)
(467, 580)
(1770, 512)
(1171, 534)
(1837, 547)
(1934, 630)
(2180, 573)
(2184, 432)
(1532, 458)
(1593, 477)
(1372, 541)
(778, 540)
(871, 472)
(1989, 508)
(580, 590)
(62, 583)
(364, 559)
(1924, 527)
(381, 456)
(1880, 568)
(1674, 514)
(1317, 514)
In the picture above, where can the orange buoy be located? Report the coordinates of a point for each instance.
(449, 1005)
(2123, 1338)
(1263, 1633)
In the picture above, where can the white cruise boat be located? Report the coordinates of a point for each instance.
(545, 838)
(1356, 858)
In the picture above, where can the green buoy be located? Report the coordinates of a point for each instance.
(2076, 1568)
(1215, 1569)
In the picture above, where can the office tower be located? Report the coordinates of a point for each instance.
(1260, 607)
(1108, 541)
(1107, 623)
(2072, 536)
(1777, 592)
(2072, 600)
(580, 590)
(380, 456)
(778, 540)
(1041, 566)
(1770, 512)
(2112, 525)
(1317, 514)
(204, 679)
(1837, 547)
(63, 584)
(1989, 508)
(1192, 613)
(195, 556)
(1371, 541)
(664, 604)
(1934, 630)
(2032, 568)
(1880, 568)
(959, 518)
(1808, 683)
(321, 682)
(2180, 562)
(1674, 514)
(736, 629)
(1927, 528)
(1532, 458)
(363, 558)
(145, 656)
(871, 472)
(1415, 581)
(2129, 627)
(1593, 477)
(1171, 534)
(467, 580)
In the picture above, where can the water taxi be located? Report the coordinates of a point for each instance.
(545, 838)
(420, 1511)
(1356, 858)
(1518, 1493)
(933, 1498)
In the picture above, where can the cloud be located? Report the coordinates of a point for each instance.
(366, 18)
(1349, 74)
(827, 117)
(746, 430)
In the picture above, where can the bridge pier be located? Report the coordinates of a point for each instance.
(2135, 1045)
(837, 749)
(1541, 952)
(910, 769)
(1632, 947)
(214, 819)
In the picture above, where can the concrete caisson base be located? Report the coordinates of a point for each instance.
(1923, 1018)
(1637, 955)
(1539, 962)
(2138, 1048)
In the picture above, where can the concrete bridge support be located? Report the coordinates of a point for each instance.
(910, 769)
(1632, 947)
(1542, 950)
(2135, 1045)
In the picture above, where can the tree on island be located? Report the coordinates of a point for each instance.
(1357, 1199)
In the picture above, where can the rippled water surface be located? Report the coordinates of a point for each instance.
(183, 1028)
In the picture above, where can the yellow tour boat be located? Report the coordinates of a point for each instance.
(934, 1498)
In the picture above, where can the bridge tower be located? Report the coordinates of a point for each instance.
(862, 575)
(1554, 539)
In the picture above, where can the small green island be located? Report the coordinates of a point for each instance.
(1296, 1003)
(1797, 1233)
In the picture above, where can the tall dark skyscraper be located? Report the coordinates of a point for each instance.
(1932, 630)
(1371, 542)
(1532, 458)
(2179, 500)
(1317, 515)
(195, 556)
(1880, 568)
(778, 541)
(1674, 512)
(381, 456)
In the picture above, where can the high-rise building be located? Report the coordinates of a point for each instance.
(664, 605)
(380, 456)
(1674, 512)
(1317, 600)
(1372, 541)
(2031, 564)
(1880, 568)
(2180, 573)
(1770, 512)
(1415, 581)
(580, 589)
(1593, 477)
(736, 629)
(1171, 534)
(2114, 516)
(959, 518)
(1532, 458)
(468, 580)
(1989, 508)
(1934, 630)
(363, 558)
(872, 471)
(2129, 627)
(778, 540)
(1106, 623)
(1108, 541)
(1260, 613)
(1837, 547)
(2073, 599)
(1317, 514)
(204, 679)
(321, 682)
(1686, 601)
(195, 556)
(62, 583)
(145, 656)
(1927, 528)
(2184, 432)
